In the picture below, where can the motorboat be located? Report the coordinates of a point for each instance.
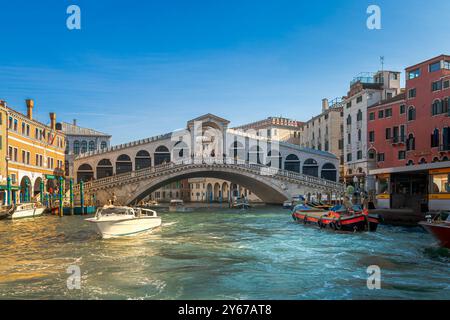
(177, 205)
(241, 204)
(25, 210)
(439, 227)
(115, 221)
(338, 218)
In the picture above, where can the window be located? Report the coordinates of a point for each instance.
(92, 146)
(446, 64)
(349, 157)
(349, 120)
(372, 136)
(359, 135)
(436, 66)
(414, 74)
(388, 113)
(441, 183)
(15, 124)
(402, 109)
(359, 155)
(349, 138)
(446, 84)
(359, 116)
(359, 99)
(435, 138)
(349, 104)
(371, 116)
(437, 108)
(388, 133)
(84, 146)
(402, 155)
(380, 157)
(436, 85)
(103, 145)
(412, 93)
(411, 113)
(389, 95)
(76, 147)
(410, 143)
(381, 114)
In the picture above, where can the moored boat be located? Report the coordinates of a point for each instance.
(26, 210)
(439, 227)
(113, 222)
(338, 218)
(177, 205)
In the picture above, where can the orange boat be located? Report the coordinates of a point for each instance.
(339, 218)
(439, 227)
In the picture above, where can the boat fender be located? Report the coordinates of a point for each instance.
(338, 224)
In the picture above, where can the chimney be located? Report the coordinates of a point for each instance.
(75, 122)
(325, 105)
(53, 120)
(30, 106)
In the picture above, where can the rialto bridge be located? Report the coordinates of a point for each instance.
(275, 171)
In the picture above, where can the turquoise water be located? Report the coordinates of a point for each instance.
(219, 254)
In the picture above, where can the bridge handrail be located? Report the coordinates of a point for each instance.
(180, 163)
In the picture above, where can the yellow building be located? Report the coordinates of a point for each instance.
(35, 154)
(3, 151)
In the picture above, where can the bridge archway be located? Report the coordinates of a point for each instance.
(329, 172)
(124, 164)
(292, 163)
(142, 160)
(162, 155)
(263, 188)
(85, 173)
(311, 168)
(104, 169)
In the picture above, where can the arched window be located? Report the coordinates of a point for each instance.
(371, 154)
(349, 120)
(85, 173)
(422, 161)
(411, 142)
(359, 116)
(103, 145)
(311, 168)
(410, 163)
(359, 134)
(84, 146)
(411, 113)
(92, 146)
(143, 160)
(329, 172)
(162, 155)
(292, 163)
(76, 147)
(123, 164)
(104, 169)
(435, 138)
(180, 150)
(436, 107)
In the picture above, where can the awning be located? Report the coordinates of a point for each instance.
(411, 169)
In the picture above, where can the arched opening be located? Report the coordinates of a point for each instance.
(225, 192)
(180, 151)
(76, 147)
(411, 113)
(209, 193)
(104, 169)
(292, 163)
(85, 173)
(84, 146)
(410, 163)
(422, 161)
(255, 155)
(444, 158)
(124, 164)
(142, 160)
(217, 192)
(237, 151)
(371, 154)
(103, 145)
(162, 155)
(311, 168)
(234, 190)
(275, 160)
(25, 189)
(435, 159)
(92, 146)
(37, 187)
(329, 172)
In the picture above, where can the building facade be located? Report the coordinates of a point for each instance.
(366, 89)
(3, 151)
(35, 154)
(409, 140)
(325, 131)
(217, 190)
(81, 140)
(275, 128)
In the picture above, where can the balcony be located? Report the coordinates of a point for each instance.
(444, 148)
(398, 140)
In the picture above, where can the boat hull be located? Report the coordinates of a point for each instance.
(353, 223)
(125, 227)
(441, 231)
(35, 212)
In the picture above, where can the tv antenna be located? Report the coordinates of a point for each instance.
(382, 63)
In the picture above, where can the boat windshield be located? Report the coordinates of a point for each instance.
(108, 211)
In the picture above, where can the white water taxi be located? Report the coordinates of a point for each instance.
(26, 210)
(113, 222)
(178, 206)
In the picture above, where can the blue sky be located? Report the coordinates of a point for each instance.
(141, 68)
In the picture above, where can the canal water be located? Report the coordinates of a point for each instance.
(219, 254)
